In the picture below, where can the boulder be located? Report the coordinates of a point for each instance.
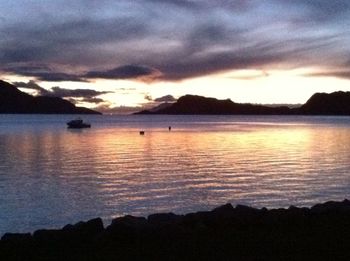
(16, 237)
(127, 223)
(163, 218)
(49, 236)
(89, 228)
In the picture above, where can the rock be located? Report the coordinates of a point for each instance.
(163, 218)
(331, 206)
(225, 233)
(224, 209)
(241, 211)
(49, 236)
(16, 237)
(129, 220)
(127, 223)
(91, 227)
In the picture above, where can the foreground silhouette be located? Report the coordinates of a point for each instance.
(321, 232)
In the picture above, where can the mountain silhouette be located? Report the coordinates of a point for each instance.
(193, 104)
(13, 100)
(337, 103)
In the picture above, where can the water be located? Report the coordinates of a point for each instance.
(51, 176)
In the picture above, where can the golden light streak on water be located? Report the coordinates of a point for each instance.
(50, 176)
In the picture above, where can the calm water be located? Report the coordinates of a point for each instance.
(51, 176)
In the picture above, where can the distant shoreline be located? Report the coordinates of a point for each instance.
(321, 232)
(336, 103)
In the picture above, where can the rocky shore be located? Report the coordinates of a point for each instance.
(321, 232)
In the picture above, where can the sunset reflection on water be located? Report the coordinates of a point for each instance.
(52, 176)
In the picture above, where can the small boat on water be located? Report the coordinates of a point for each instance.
(78, 124)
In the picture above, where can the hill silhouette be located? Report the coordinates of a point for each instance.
(13, 100)
(337, 103)
(193, 104)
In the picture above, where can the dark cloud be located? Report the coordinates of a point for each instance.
(93, 100)
(166, 98)
(344, 74)
(124, 72)
(62, 92)
(211, 35)
(43, 73)
(31, 85)
(322, 10)
(60, 43)
(67, 40)
(204, 5)
(178, 3)
(169, 39)
(148, 97)
(216, 62)
(73, 95)
(57, 77)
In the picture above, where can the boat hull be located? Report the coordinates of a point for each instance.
(80, 126)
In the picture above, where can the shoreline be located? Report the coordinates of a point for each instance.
(321, 232)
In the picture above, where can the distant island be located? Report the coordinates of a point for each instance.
(336, 103)
(13, 100)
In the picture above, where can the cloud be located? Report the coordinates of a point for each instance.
(169, 40)
(75, 42)
(42, 73)
(166, 98)
(107, 109)
(93, 100)
(57, 77)
(86, 95)
(67, 40)
(344, 74)
(250, 75)
(321, 11)
(125, 72)
(219, 62)
(62, 92)
(204, 6)
(148, 97)
(31, 85)
(178, 3)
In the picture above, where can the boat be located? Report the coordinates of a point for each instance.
(78, 124)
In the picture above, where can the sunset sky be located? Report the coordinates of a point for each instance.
(119, 56)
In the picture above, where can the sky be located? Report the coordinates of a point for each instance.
(126, 55)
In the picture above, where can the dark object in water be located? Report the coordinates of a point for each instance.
(78, 124)
(169, 128)
(142, 133)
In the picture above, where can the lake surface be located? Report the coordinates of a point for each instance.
(51, 176)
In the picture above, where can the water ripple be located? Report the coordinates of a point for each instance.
(50, 176)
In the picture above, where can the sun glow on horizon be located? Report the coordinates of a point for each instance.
(243, 86)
